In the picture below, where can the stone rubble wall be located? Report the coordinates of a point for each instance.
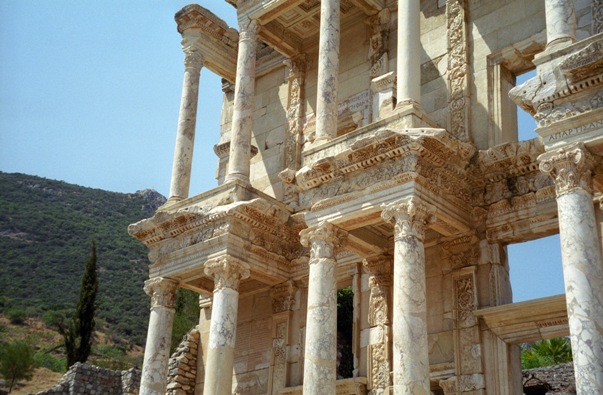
(182, 368)
(82, 379)
(560, 377)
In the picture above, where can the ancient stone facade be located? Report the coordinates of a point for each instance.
(373, 144)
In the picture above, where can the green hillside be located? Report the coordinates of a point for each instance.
(46, 228)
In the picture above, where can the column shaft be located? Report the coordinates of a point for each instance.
(410, 347)
(187, 120)
(409, 52)
(157, 350)
(227, 273)
(560, 21)
(571, 168)
(320, 354)
(328, 71)
(242, 117)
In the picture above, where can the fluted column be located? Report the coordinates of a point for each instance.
(409, 52)
(227, 272)
(328, 71)
(159, 335)
(187, 118)
(320, 354)
(560, 22)
(242, 116)
(571, 169)
(410, 351)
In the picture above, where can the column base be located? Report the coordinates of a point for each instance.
(413, 115)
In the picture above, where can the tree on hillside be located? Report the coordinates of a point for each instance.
(546, 353)
(79, 331)
(16, 362)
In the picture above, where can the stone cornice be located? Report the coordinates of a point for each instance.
(213, 38)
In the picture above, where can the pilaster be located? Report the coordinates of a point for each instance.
(410, 347)
(379, 319)
(283, 300)
(571, 168)
(157, 350)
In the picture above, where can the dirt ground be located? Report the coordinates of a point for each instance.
(42, 380)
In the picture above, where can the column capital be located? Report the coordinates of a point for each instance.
(324, 240)
(227, 272)
(162, 291)
(193, 59)
(410, 216)
(283, 296)
(571, 167)
(249, 29)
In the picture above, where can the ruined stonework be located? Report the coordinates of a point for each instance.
(83, 379)
(182, 368)
(373, 145)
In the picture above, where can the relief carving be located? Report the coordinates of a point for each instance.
(570, 167)
(465, 301)
(227, 272)
(379, 42)
(283, 297)
(162, 291)
(411, 216)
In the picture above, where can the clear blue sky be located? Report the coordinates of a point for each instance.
(90, 92)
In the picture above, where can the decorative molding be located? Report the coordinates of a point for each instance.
(162, 291)
(458, 70)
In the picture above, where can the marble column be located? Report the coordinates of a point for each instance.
(410, 349)
(408, 61)
(328, 71)
(159, 336)
(571, 168)
(187, 120)
(560, 22)
(227, 272)
(242, 117)
(320, 358)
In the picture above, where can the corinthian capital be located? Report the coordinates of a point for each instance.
(410, 216)
(571, 167)
(324, 240)
(193, 59)
(249, 29)
(161, 290)
(227, 272)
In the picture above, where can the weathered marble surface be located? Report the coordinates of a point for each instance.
(227, 273)
(410, 348)
(187, 118)
(409, 52)
(582, 264)
(560, 22)
(328, 71)
(159, 336)
(242, 117)
(320, 359)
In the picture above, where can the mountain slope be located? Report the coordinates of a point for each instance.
(46, 229)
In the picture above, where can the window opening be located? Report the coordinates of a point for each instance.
(535, 268)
